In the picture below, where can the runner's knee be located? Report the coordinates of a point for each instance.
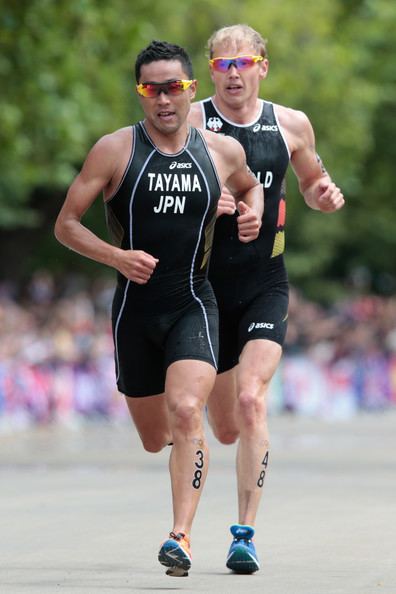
(186, 415)
(227, 436)
(224, 433)
(155, 443)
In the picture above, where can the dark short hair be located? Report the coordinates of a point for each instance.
(162, 50)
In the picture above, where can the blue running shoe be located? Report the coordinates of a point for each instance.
(242, 556)
(175, 554)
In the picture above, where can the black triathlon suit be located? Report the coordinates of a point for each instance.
(250, 279)
(165, 205)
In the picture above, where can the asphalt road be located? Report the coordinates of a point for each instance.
(85, 510)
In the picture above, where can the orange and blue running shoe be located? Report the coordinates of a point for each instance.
(242, 556)
(175, 554)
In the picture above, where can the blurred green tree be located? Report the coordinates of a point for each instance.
(66, 79)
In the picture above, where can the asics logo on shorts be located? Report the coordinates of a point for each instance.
(258, 325)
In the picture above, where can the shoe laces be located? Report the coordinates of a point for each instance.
(242, 539)
(180, 536)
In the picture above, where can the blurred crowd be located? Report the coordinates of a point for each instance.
(57, 365)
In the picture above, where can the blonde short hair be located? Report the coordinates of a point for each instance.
(237, 35)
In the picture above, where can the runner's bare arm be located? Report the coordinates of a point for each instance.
(94, 177)
(316, 185)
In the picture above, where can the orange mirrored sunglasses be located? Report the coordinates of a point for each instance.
(173, 87)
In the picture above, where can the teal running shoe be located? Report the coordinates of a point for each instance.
(175, 554)
(242, 556)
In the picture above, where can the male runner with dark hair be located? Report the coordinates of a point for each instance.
(250, 280)
(161, 181)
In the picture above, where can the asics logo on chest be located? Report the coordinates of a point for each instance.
(265, 128)
(176, 165)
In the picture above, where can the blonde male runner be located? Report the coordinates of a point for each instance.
(250, 280)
